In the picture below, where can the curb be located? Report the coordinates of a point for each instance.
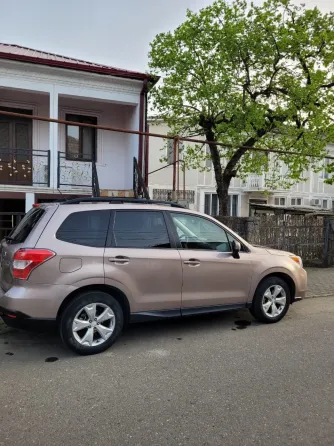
(313, 296)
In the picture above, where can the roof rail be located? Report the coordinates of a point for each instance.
(118, 200)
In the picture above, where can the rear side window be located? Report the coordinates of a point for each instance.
(87, 228)
(135, 229)
(26, 225)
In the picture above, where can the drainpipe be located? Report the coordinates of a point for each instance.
(141, 125)
(147, 141)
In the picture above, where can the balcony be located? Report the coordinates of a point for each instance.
(253, 183)
(24, 167)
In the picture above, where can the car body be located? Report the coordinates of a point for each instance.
(151, 260)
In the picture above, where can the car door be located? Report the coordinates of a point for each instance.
(141, 258)
(211, 275)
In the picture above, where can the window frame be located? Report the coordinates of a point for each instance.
(279, 198)
(111, 243)
(244, 249)
(81, 121)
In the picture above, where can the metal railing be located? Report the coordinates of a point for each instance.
(8, 221)
(74, 173)
(25, 167)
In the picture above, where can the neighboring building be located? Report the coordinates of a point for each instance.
(40, 160)
(201, 188)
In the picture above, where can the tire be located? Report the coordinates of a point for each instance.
(99, 322)
(268, 308)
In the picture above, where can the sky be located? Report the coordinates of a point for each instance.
(112, 32)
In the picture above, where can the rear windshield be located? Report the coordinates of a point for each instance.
(26, 225)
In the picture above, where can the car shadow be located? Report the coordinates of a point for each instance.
(47, 346)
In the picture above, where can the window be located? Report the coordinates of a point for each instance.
(296, 201)
(211, 205)
(279, 201)
(324, 174)
(80, 141)
(198, 233)
(208, 161)
(170, 151)
(324, 204)
(140, 229)
(88, 228)
(26, 225)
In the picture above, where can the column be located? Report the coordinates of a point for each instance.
(30, 200)
(53, 137)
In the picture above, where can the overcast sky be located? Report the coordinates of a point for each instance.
(113, 32)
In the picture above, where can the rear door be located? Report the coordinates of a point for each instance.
(142, 259)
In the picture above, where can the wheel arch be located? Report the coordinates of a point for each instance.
(284, 276)
(112, 291)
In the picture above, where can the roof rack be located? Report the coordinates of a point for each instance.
(119, 200)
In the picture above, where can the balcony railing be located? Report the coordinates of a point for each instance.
(74, 174)
(25, 167)
(253, 182)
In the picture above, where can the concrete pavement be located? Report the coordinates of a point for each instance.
(200, 381)
(320, 282)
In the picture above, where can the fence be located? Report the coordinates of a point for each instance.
(310, 237)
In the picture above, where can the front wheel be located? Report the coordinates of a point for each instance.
(91, 323)
(271, 301)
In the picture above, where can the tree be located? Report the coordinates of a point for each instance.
(249, 76)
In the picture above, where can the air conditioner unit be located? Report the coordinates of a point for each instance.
(316, 202)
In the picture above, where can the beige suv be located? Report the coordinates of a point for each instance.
(92, 265)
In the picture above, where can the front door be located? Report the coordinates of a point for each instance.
(141, 260)
(15, 149)
(211, 275)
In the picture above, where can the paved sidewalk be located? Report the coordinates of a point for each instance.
(320, 282)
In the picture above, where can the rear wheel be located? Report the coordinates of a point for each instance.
(271, 301)
(91, 323)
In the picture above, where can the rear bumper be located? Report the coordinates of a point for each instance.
(22, 321)
(35, 301)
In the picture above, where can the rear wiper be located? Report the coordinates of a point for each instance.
(8, 238)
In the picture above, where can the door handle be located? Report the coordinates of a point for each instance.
(192, 262)
(119, 260)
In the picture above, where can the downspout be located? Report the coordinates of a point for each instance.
(141, 125)
(147, 141)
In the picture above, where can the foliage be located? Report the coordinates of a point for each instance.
(247, 75)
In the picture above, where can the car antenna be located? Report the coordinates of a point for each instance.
(63, 196)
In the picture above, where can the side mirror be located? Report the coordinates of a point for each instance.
(236, 248)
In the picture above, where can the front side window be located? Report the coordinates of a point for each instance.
(80, 141)
(140, 229)
(88, 228)
(198, 233)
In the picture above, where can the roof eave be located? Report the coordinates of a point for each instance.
(80, 67)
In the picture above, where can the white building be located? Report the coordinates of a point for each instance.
(40, 160)
(201, 189)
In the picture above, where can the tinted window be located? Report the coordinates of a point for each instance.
(198, 233)
(85, 228)
(23, 229)
(135, 229)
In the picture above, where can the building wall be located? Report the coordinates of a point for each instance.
(204, 182)
(51, 92)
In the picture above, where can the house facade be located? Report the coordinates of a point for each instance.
(201, 190)
(43, 160)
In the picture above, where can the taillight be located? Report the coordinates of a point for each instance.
(26, 260)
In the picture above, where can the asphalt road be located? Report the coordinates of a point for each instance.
(196, 382)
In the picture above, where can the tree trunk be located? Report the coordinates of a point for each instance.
(223, 178)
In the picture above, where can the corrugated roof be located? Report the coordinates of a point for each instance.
(23, 54)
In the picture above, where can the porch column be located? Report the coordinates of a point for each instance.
(53, 138)
(30, 200)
